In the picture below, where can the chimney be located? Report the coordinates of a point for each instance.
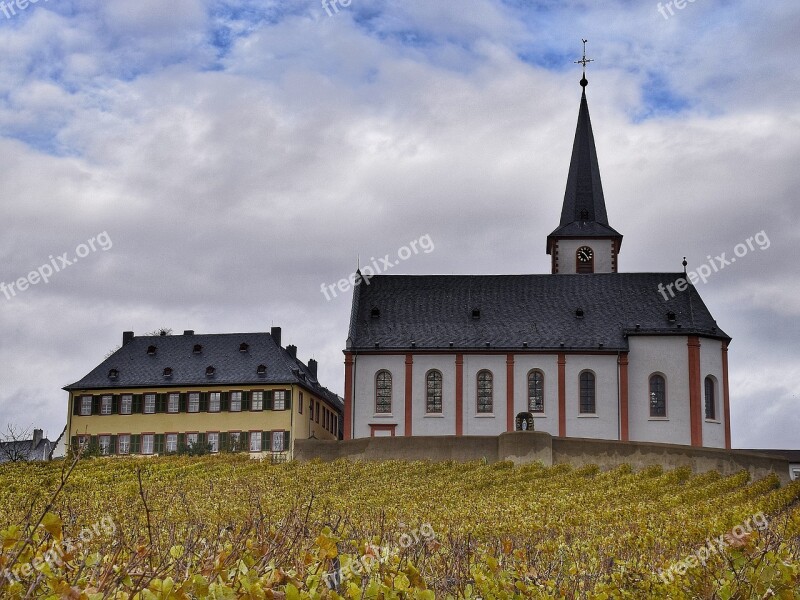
(37, 437)
(188, 332)
(292, 350)
(312, 367)
(127, 336)
(275, 332)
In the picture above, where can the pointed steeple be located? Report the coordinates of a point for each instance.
(583, 199)
(583, 214)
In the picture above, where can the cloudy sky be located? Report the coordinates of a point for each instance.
(230, 157)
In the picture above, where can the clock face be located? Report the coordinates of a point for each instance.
(585, 254)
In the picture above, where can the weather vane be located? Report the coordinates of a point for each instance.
(584, 61)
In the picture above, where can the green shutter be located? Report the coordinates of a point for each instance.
(96, 405)
(268, 400)
(76, 404)
(245, 401)
(136, 405)
(287, 438)
(201, 440)
(265, 437)
(74, 443)
(136, 444)
(115, 404)
(112, 448)
(204, 402)
(244, 441)
(159, 443)
(223, 402)
(182, 403)
(288, 399)
(181, 441)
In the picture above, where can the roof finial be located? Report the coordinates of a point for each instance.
(584, 61)
(684, 265)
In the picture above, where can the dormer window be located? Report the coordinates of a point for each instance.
(375, 313)
(476, 313)
(244, 347)
(210, 371)
(151, 350)
(671, 317)
(584, 215)
(167, 372)
(113, 374)
(261, 370)
(197, 349)
(578, 313)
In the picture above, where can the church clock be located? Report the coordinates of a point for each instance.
(585, 260)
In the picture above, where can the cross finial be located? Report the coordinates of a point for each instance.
(584, 61)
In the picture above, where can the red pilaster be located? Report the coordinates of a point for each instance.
(349, 361)
(562, 394)
(510, 392)
(623, 396)
(459, 394)
(409, 382)
(695, 400)
(726, 395)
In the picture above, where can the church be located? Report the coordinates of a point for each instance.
(584, 352)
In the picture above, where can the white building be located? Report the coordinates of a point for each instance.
(586, 350)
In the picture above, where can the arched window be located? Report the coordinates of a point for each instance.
(711, 398)
(433, 392)
(536, 391)
(587, 393)
(485, 392)
(584, 260)
(383, 392)
(658, 396)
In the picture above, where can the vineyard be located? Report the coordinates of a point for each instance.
(231, 527)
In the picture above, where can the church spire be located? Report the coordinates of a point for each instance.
(583, 199)
(583, 214)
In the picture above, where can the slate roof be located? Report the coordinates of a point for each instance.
(25, 450)
(435, 310)
(137, 368)
(583, 213)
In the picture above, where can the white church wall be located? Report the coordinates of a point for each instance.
(603, 251)
(431, 424)
(366, 366)
(669, 357)
(548, 364)
(604, 424)
(484, 424)
(711, 364)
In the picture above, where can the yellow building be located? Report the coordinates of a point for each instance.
(236, 392)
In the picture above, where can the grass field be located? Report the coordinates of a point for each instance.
(230, 527)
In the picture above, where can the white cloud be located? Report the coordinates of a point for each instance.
(235, 180)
